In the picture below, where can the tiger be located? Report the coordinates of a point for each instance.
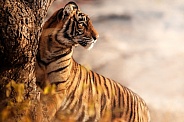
(87, 96)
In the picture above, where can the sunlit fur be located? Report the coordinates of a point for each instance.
(86, 95)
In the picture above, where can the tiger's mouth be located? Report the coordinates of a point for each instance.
(88, 44)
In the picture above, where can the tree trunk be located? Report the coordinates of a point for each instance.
(20, 28)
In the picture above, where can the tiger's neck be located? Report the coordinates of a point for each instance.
(53, 64)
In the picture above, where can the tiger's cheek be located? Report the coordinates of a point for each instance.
(87, 33)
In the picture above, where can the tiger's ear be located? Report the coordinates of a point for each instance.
(70, 8)
(60, 14)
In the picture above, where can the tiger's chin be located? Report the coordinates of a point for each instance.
(89, 47)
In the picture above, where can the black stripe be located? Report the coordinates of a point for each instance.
(60, 14)
(59, 41)
(92, 118)
(95, 77)
(73, 29)
(115, 89)
(66, 35)
(132, 106)
(115, 98)
(58, 82)
(80, 74)
(79, 104)
(78, 82)
(104, 79)
(118, 96)
(60, 69)
(75, 102)
(135, 108)
(118, 100)
(98, 83)
(87, 78)
(129, 104)
(127, 101)
(69, 100)
(80, 99)
(103, 103)
(123, 96)
(81, 116)
(49, 43)
(75, 18)
(90, 88)
(72, 94)
(67, 26)
(74, 75)
(99, 80)
(63, 61)
(59, 50)
(110, 82)
(58, 57)
(114, 109)
(39, 60)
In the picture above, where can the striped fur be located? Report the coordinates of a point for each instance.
(88, 96)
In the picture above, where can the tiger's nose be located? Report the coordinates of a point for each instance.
(95, 37)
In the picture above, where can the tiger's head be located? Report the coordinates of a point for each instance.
(72, 27)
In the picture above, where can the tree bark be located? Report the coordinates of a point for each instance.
(20, 28)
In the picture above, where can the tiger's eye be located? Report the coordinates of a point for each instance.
(80, 25)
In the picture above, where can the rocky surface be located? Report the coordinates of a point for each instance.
(141, 46)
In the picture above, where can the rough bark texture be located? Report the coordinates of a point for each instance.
(20, 28)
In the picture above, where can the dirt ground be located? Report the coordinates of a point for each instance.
(141, 46)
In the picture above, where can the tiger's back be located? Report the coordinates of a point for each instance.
(96, 98)
(88, 96)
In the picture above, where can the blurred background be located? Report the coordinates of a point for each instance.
(140, 46)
